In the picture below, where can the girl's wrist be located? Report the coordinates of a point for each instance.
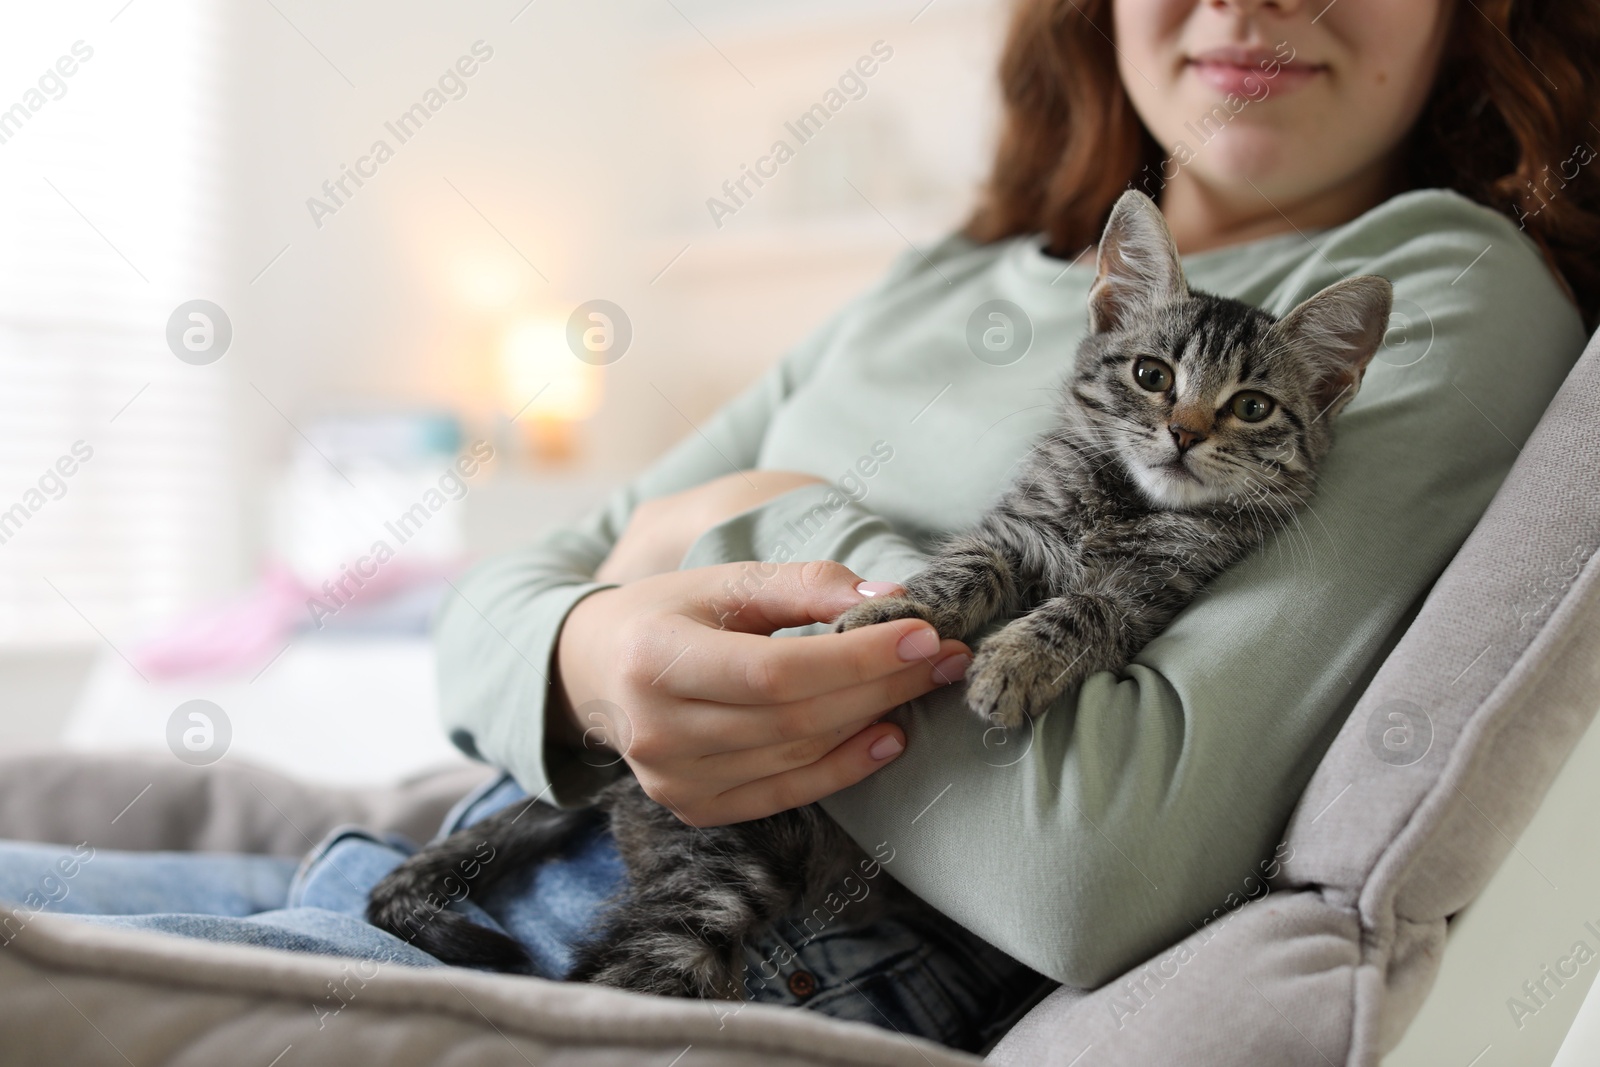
(567, 686)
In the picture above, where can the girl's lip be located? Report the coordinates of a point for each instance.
(1250, 72)
(1245, 55)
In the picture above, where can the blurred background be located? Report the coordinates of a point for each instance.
(282, 282)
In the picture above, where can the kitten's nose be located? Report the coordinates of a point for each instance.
(1184, 437)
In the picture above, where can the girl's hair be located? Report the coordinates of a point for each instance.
(1511, 123)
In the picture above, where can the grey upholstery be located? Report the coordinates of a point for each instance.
(1417, 802)
(148, 803)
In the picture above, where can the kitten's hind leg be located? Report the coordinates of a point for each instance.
(411, 901)
(1017, 672)
(963, 587)
(662, 939)
(696, 896)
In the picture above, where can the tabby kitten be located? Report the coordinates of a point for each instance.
(1189, 431)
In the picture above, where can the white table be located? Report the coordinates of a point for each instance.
(337, 711)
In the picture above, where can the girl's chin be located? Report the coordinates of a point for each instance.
(1259, 159)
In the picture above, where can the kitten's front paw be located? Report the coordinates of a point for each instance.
(882, 609)
(1012, 678)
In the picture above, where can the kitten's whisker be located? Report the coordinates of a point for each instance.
(1276, 511)
(1311, 555)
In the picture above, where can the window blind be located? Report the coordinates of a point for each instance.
(115, 507)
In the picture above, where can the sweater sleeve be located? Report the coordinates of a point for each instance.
(496, 632)
(1147, 800)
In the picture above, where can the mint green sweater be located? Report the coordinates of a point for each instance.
(1141, 804)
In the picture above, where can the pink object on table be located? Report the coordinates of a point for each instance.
(253, 628)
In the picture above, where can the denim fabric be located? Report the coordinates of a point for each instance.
(86, 881)
(242, 900)
(917, 974)
(548, 909)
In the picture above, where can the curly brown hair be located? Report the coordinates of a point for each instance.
(1511, 123)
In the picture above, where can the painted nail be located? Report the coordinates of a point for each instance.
(951, 668)
(878, 588)
(885, 746)
(920, 643)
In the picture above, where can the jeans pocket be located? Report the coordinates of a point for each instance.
(918, 975)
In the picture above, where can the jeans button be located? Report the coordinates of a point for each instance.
(802, 984)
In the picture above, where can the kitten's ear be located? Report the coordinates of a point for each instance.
(1339, 331)
(1138, 264)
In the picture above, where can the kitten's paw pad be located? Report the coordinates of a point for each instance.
(1010, 681)
(882, 609)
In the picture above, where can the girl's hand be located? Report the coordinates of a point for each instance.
(660, 531)
(721, 723)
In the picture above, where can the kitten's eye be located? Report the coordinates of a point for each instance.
(1250, 406)
(1152, 374)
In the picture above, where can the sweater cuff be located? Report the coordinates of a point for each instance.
(496, 710)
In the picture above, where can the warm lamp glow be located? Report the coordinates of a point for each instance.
(547, 388)
(485, 284)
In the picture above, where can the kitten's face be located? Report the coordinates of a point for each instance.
(1202, 404)
(1205, 400)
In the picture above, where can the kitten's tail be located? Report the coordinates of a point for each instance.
(412, 901)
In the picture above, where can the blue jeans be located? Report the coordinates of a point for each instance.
(918, 974)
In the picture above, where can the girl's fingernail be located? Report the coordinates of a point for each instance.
(886, 746)
(951, 668)
(920, 643)
(878, 588)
